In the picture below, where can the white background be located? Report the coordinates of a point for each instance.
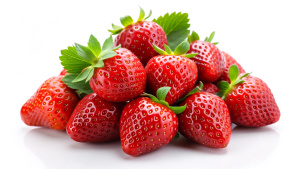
(262, 35)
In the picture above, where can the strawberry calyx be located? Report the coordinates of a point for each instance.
(161, 94)
(180, 50)
(235, 79)
(127, 20)
(80, 62)
(194, 36)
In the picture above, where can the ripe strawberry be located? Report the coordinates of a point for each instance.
(249, 100)
(205, 120)
(63, 72)
(209, 88)
(148, 124)
(114, 74)
(95, 120)
(172, 69)
(229, 60)
(210, 62)
(51, 106)
(139, 37)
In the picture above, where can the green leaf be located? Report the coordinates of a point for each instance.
(215, 43)
(71, 61)
(193, 37)
(233, 73)
(211, 36)
(159, 50)
(182, 48)
(153, 98)
(176, 37)
(168, 49)
(108, 44)
(190, 55)
(108, 54)
(99, 64)
(116, 26)
(142, 14)
(175, 25)
(164, 103)
(85, 53)
(126, 20)
(150, 13)
(83, 75)
(223, 85)
(178, 110)
(162, 92)
(90, 75)
(80, 87)
(94, 45)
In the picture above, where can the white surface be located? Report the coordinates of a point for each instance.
(262, 35)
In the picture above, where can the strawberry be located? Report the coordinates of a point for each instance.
(114, 74)
(249, 100)
(229, 60)
(205, 120)
(139, 37)
(209, 60)
(63, 72)
(208, 87)
(173, 69)
(148, 124)
(51, 106)
(95, 120)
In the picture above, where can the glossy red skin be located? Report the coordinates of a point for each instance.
(140, 37)
(210, 62)
(122, 78)
(229, 60)
(63, 72)
(209, 88)
(95, 120)
(146, 126)
(51, 106)
(205, 120)
(177, 72)
(252, 104)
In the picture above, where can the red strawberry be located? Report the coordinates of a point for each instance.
(95, 120)
(114, 74)
(209, 88)
(174, 70)
(205, 120)
(147, 125)
(122, 78)
(210, 62)
(63, 72)
(229, 60)
(139, 37)
(249, 100)
(51, 106)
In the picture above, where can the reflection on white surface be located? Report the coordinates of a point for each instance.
(248, 147)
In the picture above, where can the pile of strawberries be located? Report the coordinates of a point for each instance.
(153, 80)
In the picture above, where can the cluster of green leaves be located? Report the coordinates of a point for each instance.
(176, 26)
(235, 79)
(180, 50)
(161, 94)
(194, 36)
(127, 20)
(80, 62)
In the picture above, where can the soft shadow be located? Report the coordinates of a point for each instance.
(185, 143)
(57, 150)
